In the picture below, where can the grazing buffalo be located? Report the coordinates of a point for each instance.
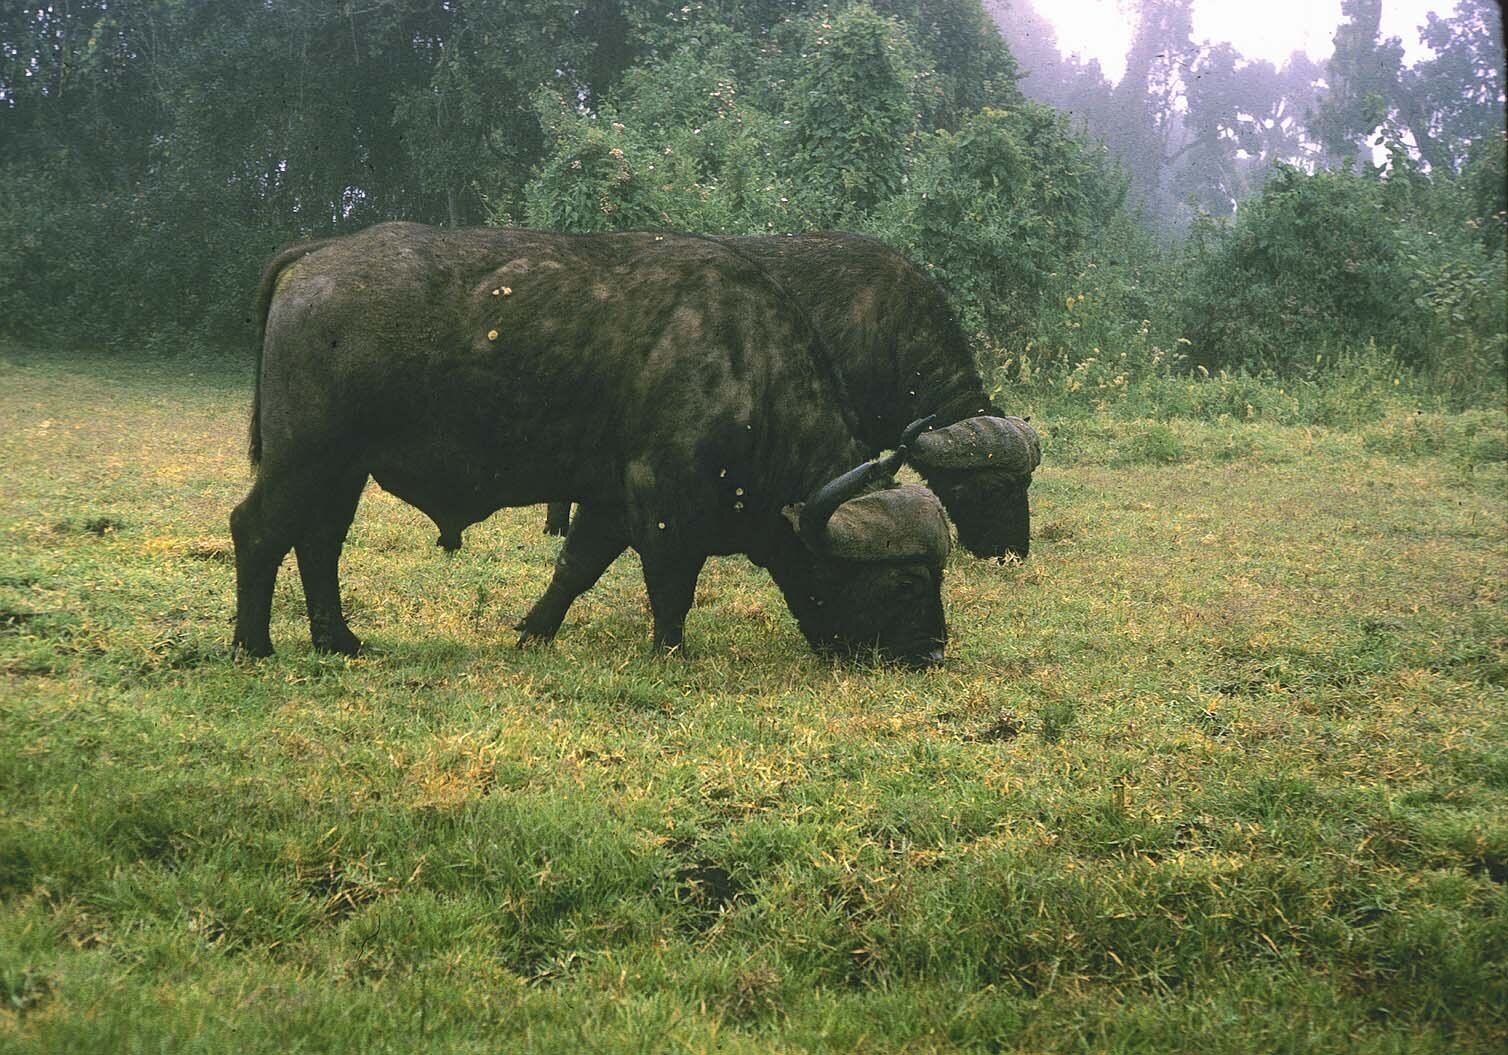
(900, 347)
(666, 382)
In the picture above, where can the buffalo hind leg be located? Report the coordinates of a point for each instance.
(318, 548)
(557, 518)
(595, 540)
(670, 579)
(263, 528)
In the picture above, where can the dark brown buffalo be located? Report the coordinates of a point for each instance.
(664, 381)
(899, 345)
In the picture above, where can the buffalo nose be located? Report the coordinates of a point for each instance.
(933, 658)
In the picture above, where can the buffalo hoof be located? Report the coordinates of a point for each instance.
(557, 518)
(528, 636)
(347, 645)
(250, 649)
(929, 661)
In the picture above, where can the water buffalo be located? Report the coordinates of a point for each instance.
(903, 353)
(664, 381)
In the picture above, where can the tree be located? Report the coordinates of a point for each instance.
(1486, 180)
(970, 64)
(1242, 117)
(157, 151)
(675, 145)
(1437, 108)
(996, 208)
(1362, 75)
(1337, 258)
(469, 126)
(851, 116)
(1454, 100)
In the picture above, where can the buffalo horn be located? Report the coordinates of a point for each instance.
(904, 522)
(820, 506)
(1008, 444)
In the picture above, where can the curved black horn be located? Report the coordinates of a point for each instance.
(824, 502)
(913, 430)
(892, 462)
(820, 507)
(1008, 444)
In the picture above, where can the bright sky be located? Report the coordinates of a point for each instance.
(1260, 29)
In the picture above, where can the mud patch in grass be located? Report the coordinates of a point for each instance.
(97, 525)
(1002, 730)
(704, 886)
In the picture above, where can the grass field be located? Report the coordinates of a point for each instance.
(1222, 768)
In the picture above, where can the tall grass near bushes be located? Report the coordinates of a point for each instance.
(1343, 391)
(1330, 299)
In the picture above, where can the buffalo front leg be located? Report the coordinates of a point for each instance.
(318, 548)
(595, 540)
(670, 579)
(557, 518)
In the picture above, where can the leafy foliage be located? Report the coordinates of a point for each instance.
(1486, 181)
(1243, 117)
(998, 208)
(158, 152)
(851, 117)
(1444, 104)
(1363, 72)
(1453, 101)
(601, 178)
(1338, 258)
(1314, 255)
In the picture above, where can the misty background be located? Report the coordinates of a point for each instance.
(1204, 210)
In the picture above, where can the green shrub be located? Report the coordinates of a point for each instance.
(851, 117)
(1337, 260)
(997, 210)
(1149, 443)
(602, 176)
(1118, 294)
(1486, 181)
(1315, 259)
(677, 146)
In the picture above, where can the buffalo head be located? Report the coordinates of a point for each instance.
(876, 585)
(981, 468)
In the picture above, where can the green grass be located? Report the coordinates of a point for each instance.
(1222, 768)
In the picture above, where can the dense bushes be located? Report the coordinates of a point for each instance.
(112, 271)
(1377, 278)
(137, 214)
(999, 209)
(1313, 258)
(1338, 259)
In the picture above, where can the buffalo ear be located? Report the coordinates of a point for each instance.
(792, 514)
